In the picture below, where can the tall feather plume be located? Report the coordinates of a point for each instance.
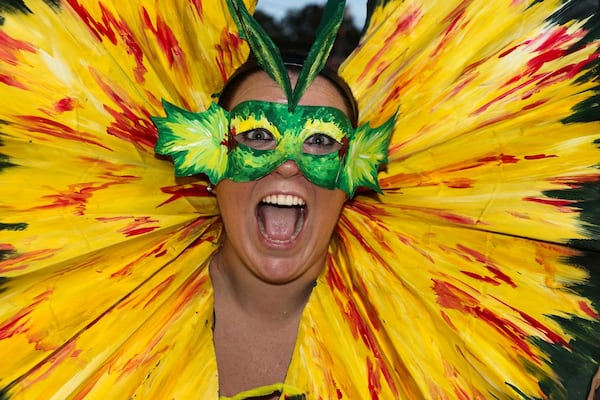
(263, 47)
(269, 57)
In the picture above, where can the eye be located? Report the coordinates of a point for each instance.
(258, 139)
(320, 144)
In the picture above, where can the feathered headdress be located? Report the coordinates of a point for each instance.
(200, 142)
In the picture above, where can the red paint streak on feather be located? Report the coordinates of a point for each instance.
(567, 72)
(547, 332)
(167, 41)
(105, 29)
(22, 261)
(132, 123)
(535, 104)
(158, 290)
(539, 156)
(460, 183)
(560, 37)
(10, 48)
(15, 325)
(138, 360)
(416, 247)
(448, 321)
(64, 105)
(141, 231)
(458, 88)
(500, 159)
(484, 260)
(52, 128)
(191, 289)
(451, 297)
(550, 51)
(536, 63)
(496, 119)
(127, 270)
(11, 81)
(65, 352)
(374, 225)
(374, 381)
(357, 235)
(228, 46)
(585, 307)
(361, 329)
(553, 47)
(111, 219)
(99, 30)
(394, 93)
(179, 192)
(504, 95)
(369, 210)
(77, 195)
(403, 26)
(561, 204)
(510, 50)
(498, 274)
(486, 279)
(460, 393)
(137, 228)
(197, 4)
(551, 335)
(19, 323)
(576, 181)
(358, 324)
(453, 19)
(454, 218)
(199, 227)
(7, 247)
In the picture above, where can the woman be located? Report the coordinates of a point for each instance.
(472, 274)
(277, 232)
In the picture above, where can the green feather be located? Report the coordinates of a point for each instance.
(367, 151)
(333, 16)
(266, 52)
(195, 141)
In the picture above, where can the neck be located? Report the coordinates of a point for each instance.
(257, 299)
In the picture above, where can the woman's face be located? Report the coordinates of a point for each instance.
(279, 226)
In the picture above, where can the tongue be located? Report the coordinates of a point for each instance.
(279, 223)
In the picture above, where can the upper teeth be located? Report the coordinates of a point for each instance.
(284, 200)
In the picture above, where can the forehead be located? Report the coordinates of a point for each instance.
(259, 86)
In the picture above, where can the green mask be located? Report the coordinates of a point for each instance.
(256, 137)
(266, 134)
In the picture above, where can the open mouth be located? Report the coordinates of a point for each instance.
(281, 217)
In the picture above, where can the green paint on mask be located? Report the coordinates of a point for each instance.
(262, 135)
(267, 135)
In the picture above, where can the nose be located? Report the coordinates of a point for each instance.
(288, 169)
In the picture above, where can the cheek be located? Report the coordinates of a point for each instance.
(331, 204)
(233, 199)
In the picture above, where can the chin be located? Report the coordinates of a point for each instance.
(281, 271)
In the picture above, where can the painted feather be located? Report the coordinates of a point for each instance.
(490, 207)
(264, 49)
(195, 141)
(333, 14)
(474, 275)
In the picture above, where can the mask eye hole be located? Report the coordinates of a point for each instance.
(258, 139)
(320, 144)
